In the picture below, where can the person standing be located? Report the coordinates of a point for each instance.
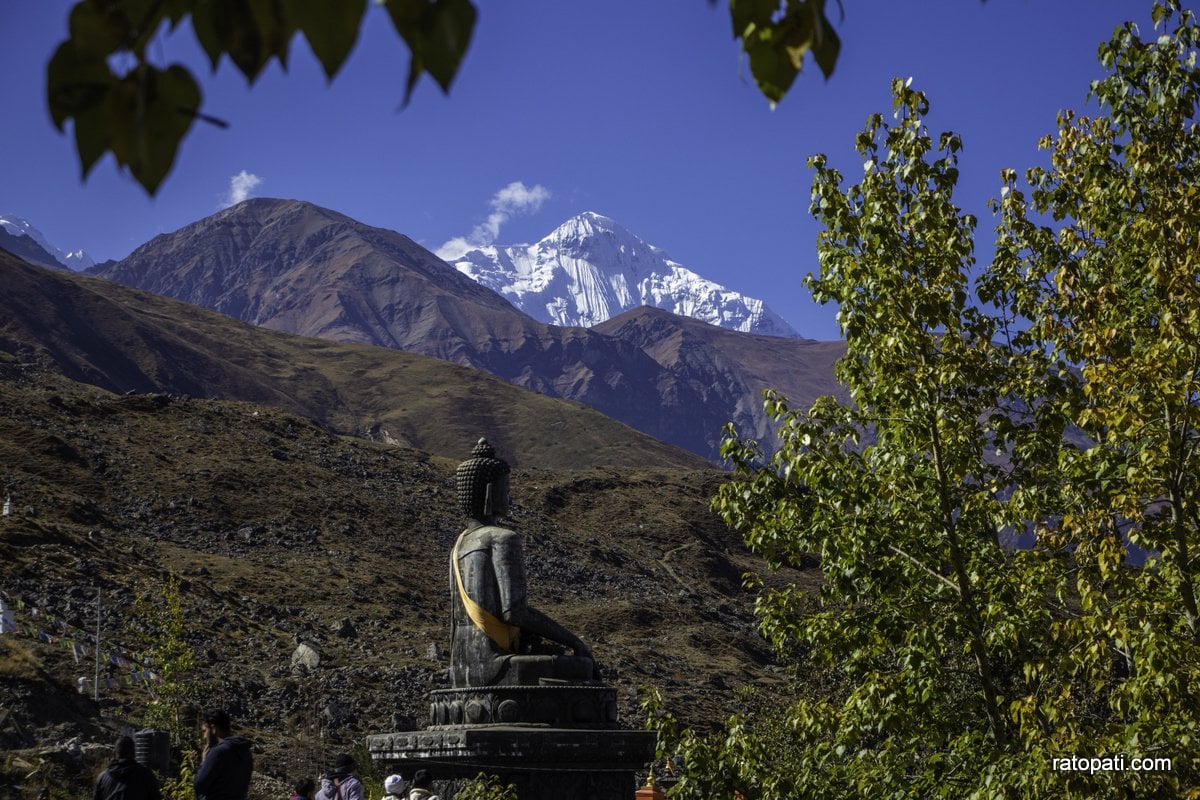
(304, 789)
(226, 762)
(422, 784)
(348, 786)
(125, 778)
(393, 788)
(327, 791)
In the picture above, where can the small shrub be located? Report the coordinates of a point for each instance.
(486, 787)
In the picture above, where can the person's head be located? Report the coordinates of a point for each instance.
(422, 779)
(215, 724)
(482, 484)
(343, 765)
(305, 786)
(124, 747)
(394, 784)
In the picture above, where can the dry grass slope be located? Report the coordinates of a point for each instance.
(285, 532)
(123, 339)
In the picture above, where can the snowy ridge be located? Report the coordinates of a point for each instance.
(590, 269)
(76, 260)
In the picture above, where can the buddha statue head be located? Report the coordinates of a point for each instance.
(482, 484)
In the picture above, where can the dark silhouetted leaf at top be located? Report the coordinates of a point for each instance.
(144, 18)
(771, 64)
(437, 33)
(330, 28)
(776, 45)
(150, 119)
(75, 82)
(795, 34)
(77, 88)
(206, 23)
(92, 138)
(746, 13)
(140, 14)
(826, 46)
(96, 29)
(177, 10)
(251, 32)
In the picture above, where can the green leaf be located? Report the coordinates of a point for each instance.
(437, 32)
(250, 32)
(795, 33)
(92, 138)
(148, 121)
(749, 14)
(826, 46)
(330, 28)
(142, 19)
(776, 48)
(75, 83)
(771, 64)
(176, 10)
(97, 30)
(206, 24)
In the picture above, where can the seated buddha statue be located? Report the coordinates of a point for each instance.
(495, 633)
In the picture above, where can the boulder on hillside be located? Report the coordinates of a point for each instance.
(305, 658)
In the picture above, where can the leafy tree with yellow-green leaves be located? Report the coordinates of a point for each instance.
(161, 616)
(1053, 398)
(1112, 288)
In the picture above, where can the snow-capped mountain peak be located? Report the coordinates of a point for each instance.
(590, 269)
(603, 239)
(76, 260)
(588, 225)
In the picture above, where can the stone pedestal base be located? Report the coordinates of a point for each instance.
(562, 705)
(544, 763)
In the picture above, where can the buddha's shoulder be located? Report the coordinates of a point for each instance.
(489, 534)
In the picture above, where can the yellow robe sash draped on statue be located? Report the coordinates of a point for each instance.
(500, 632)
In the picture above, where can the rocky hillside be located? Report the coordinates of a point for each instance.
(285, 533)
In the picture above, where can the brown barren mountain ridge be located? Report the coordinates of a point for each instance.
(730, 369)
(295, 267)
(121, 339)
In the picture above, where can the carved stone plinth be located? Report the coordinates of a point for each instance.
(567, 705)
(543, 762)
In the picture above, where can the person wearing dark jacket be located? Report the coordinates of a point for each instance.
(126, 779)
(226, 763)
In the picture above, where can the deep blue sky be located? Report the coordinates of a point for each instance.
(637, 109)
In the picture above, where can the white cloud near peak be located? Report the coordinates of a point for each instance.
(518, 197)
(241, 187)
(513, 200)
